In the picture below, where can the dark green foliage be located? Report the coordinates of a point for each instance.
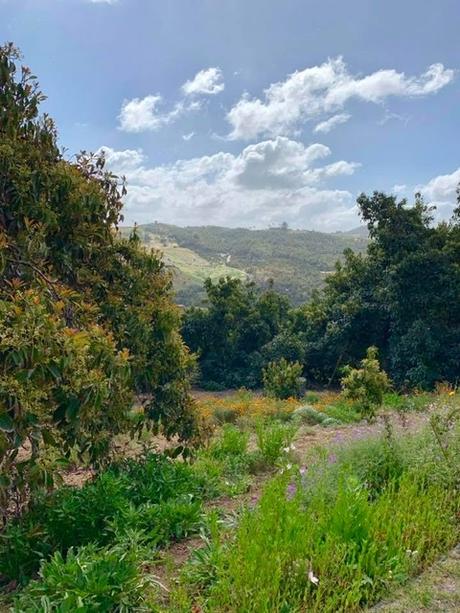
(230, 334)
(402, 297)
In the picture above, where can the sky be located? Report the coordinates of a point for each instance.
(253, 112)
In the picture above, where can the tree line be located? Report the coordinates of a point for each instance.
(402, 296)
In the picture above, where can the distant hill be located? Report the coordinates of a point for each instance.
(296, 260)
(359, 231)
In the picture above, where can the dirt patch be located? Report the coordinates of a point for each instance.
(437, 590)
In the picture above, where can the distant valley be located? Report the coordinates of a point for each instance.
(296, 260)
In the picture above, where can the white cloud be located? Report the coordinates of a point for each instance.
(442, 192)
(206, 82)
(327, 125)
(140, 114)
(399, 188)
(324, 89)
(103, 1)
(266, 183)
(188, 136)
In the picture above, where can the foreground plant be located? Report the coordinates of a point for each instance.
(337, 534)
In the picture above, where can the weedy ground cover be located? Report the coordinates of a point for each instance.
(338, 533)
(345, 518)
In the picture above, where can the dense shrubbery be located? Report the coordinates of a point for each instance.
(402, 297)
(230, 334)
(86, 319)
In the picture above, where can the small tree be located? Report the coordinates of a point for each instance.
(366, 385)
(282, 379)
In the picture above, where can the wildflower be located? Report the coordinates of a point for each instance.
(312, 577)
(288, 466)
(303, 470)
(291, 490)
(332, 459)
(286, 449)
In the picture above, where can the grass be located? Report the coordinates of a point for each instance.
(437, 590)
(332, 531)
(337, 535)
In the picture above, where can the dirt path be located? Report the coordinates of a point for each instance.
(437, 590)
(307, 438)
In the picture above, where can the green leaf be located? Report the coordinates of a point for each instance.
(6, 423)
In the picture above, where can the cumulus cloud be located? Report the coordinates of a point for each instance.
(141, 114)
(322, 89)
(268, 182)
(208, 81)
(441, 191)
(327, 125)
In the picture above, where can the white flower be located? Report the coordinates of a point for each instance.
(292, 446)
(313, 578)
(288, 466)
(286, 449)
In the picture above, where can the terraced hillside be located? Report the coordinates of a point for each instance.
(297, 260)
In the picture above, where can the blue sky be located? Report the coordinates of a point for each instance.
(253, 112)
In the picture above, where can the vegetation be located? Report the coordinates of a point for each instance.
(229, 336)
(347, 510)
(402, 297)
(366, 385)
(283, 379)
(296, 261)
(336, 534)
(86, 319)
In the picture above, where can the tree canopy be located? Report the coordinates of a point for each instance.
(86, 318)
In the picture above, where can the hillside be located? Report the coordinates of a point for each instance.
(296, 260)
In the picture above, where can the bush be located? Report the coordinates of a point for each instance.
(366, 385)
(167, 494)
(86, 580)
(308, 415)
(283, 379)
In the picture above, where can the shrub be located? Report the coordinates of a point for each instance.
(308, 415)
(167, 494)
(86, 580)
(366, 385)
(283, 379)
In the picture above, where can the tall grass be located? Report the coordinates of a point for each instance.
(339, 535)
